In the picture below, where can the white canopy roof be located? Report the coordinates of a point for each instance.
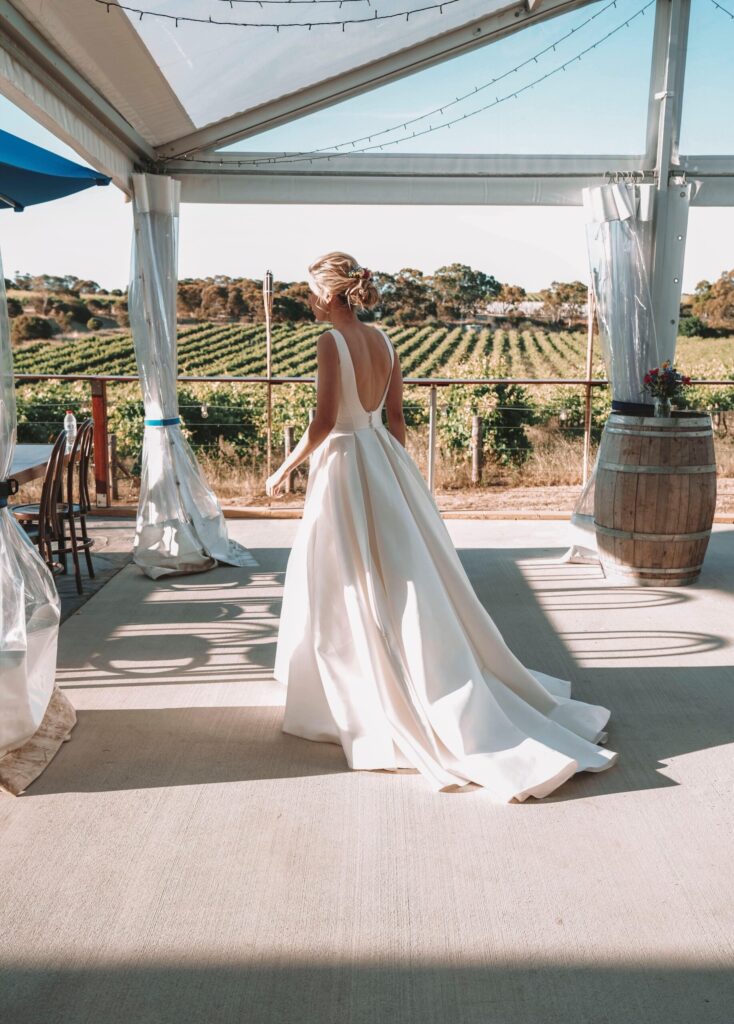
(135, 88)
(169, 80)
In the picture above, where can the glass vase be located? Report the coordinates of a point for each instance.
(663, 407)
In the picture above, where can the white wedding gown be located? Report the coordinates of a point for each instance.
(385, 647)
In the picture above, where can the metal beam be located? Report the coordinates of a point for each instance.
(411, 164)
(657, 77)
(397, 178)
(708, 166)
(432, 179)
(670, 94)
(426, 165)
(366, 191)
(410, 179)
(369, 76)
(670, 218)
(714, 179)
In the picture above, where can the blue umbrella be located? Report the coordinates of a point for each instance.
(30, 174)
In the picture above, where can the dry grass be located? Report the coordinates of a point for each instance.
(556, 460)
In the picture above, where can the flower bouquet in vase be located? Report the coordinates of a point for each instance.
(665, 384)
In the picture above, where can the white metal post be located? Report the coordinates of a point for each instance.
(671, 204)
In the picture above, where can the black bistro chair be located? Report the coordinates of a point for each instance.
(47, 521)
(72, 511)
(41, 520)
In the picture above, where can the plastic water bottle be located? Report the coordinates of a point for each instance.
(70, 429)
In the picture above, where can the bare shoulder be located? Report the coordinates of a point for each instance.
(326, 343)
(327, 354)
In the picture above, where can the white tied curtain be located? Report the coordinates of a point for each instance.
(637, 324)
(180, 526)
(29, 604)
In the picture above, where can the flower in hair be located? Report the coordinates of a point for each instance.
(360, 272)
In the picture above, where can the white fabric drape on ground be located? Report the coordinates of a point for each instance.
(29, 604)
(180, 526)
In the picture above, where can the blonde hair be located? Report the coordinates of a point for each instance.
(338, 273)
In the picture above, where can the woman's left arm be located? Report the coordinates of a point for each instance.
(327, 403)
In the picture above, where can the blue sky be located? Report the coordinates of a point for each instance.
(598, 105)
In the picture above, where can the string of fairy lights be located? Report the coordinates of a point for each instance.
(292, 3)
(277, 25)
(351, 145)
(533, 58)
(724, 10)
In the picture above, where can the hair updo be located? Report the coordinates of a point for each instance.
(338, 273)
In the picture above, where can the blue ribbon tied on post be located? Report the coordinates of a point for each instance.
(170, 422)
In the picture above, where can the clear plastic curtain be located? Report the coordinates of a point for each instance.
(29, 604)
(180, 526)
(619, 239)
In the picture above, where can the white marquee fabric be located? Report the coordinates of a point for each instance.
(634, 332)
(29, 604)
(255, 66)
(168, 81)
(619, 243)
(180, 525)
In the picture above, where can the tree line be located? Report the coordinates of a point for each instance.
(454, 292)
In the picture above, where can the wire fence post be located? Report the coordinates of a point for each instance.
(588, 386)
(113, 466)
(268, 304)
(100, 440)
(288, 448)
(476, 450)
(432, 439)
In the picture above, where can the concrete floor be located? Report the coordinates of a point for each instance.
(182, 860)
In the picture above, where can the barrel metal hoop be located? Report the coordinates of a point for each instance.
(625, 570)
(679, 421)
(660, 470)
(659, 433)
(627, 535)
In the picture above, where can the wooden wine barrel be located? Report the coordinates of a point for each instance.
(654, 497)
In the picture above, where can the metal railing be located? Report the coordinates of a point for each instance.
(99, 395)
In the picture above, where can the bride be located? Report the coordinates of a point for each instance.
(383, 644)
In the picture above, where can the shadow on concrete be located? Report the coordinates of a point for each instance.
(161, 747)
(369, 993)
(111, 552)
(656, 715)
(123, 749)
